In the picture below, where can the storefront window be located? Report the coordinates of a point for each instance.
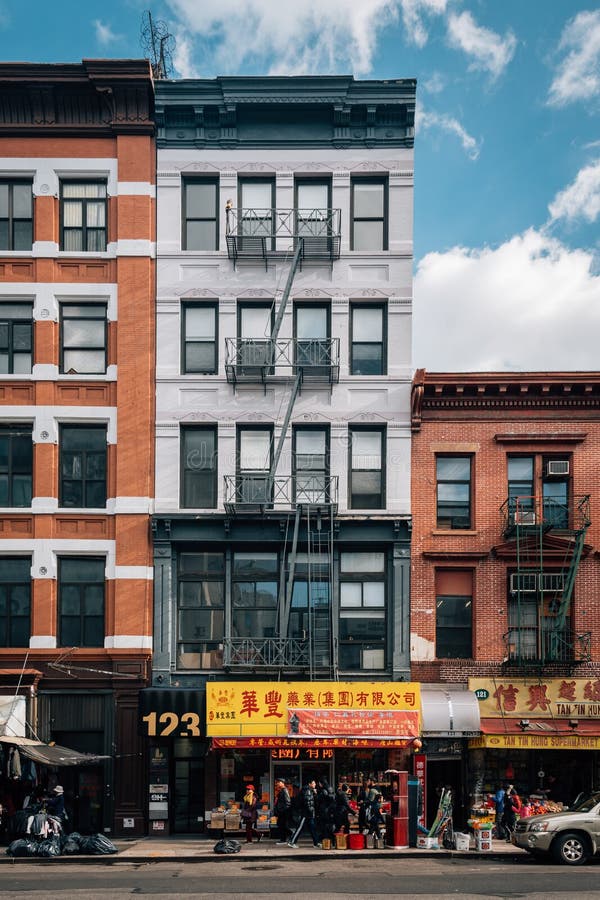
(255, 590)
(310, 615)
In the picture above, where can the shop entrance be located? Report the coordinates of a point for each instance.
(188, 787)
(444, 773)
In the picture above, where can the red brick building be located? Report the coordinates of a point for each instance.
(505, 574)
(77, 247)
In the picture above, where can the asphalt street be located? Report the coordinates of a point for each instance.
(231, 879)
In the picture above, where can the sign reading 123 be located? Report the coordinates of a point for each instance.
(189, 722)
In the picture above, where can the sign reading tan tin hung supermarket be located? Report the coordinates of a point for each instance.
(293, 709)
(578, 698)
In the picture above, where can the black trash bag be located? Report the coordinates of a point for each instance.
(22, 847)
(18, 822)
(96, 844)
(227, 845)
(71, 843)
(49, 847)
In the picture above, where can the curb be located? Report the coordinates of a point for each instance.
(113, 859)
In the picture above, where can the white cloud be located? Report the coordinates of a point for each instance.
(488, 50)
(581, 199)
(426, 119)
(578, 75)
(435, 84)
(104, 34)
(304, 37)
(183, 55)
(414, 12)
(530, 304)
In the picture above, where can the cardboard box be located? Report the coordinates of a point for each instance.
(217, 820)
(232, 822)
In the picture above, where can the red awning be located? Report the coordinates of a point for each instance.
(540, 726)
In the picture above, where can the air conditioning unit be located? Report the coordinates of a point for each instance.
(552, 581)
(557, 467)
(523, 582)
(525, 517)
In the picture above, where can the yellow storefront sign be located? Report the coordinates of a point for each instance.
(536, 742)
(546, 698)
(262, 708)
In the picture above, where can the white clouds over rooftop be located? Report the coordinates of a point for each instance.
(578, 74)
(529, 304)
(303, 37)
(426, 119)
(104, 33)
(487, 50)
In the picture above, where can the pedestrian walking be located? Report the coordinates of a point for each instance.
(342, 808)
(282, 808)
(308, 809)
(325, 808)
(250, 814)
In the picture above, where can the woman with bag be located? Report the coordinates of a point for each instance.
(250, 814)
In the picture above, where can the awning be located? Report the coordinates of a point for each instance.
(540, 734)
(449, 712)
(53, 755)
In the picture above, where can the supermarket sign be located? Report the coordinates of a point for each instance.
(504, 696)
(297, 709)
(537, 741)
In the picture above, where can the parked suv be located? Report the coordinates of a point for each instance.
(571, 836)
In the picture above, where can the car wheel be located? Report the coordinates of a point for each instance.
(570, 849)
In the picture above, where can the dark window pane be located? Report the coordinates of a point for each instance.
(367, 359)
(22, 196)
(200, 236)
(200, 357)
(93, 631)
(201, 200)
(22, 236)
(202, 562)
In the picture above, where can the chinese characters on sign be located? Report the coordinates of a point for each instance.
(262, 709)
(367, 723)
(543, 698)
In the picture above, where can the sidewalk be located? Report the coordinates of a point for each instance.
(200, 849)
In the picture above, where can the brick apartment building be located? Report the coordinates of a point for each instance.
(77, 188)
(505, 576)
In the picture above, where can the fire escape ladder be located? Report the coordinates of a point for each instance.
(285, 602)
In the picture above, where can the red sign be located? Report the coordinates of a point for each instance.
(338, 743)
(383, 723)
(420, 770)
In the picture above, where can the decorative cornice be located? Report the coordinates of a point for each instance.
(94, 97)
(220, 112)
(460, 395)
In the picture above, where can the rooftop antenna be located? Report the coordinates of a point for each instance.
(159, 44)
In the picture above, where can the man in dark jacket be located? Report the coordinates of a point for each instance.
(281, 809)
(309, 794)
(342, 809)
(325, 809)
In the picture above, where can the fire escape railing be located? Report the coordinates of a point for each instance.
(253, 492)
(254, 234)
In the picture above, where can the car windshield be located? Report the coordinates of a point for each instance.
(587, 803)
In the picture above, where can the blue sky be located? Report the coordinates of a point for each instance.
(507, 152)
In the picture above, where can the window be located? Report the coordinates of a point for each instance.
(201, 214)
(369, 214)
(83, 216)
(83, 466)
(453, 486)
(454, 608)
(310, 613)
(83, 338)
(15, 601)
(534, 599)
(255, 322)
(362, 611)
(313, 205)
(199, 467)
(200, 339)
(312, 323)
(256, 201)
(254, 463)
(16, 465)
(16, 338)
(201, 610)
(367, 475)
(367, 349)
(16, 215)
(255, 589)
(81, 602)
(524, 506)
(311, 465)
